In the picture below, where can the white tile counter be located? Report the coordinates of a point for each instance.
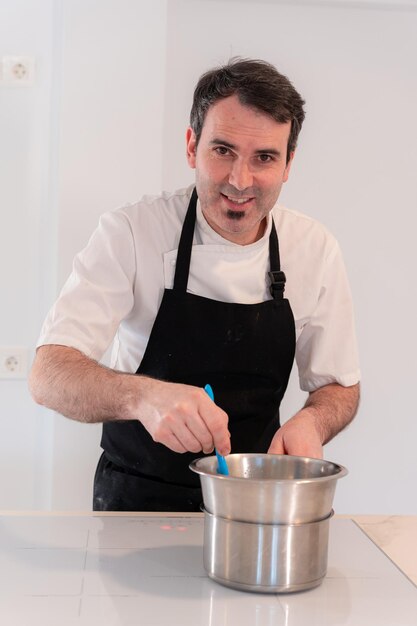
(143, 569)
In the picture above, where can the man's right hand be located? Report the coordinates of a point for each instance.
(181, 417)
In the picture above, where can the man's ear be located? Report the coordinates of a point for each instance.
(191, 142)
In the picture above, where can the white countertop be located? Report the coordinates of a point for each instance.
(147, 569)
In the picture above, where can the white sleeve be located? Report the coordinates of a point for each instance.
(99, 292)
(326, 349)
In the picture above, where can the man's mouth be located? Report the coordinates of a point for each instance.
(234, 201)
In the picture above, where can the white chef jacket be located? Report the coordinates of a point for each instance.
(117, 283)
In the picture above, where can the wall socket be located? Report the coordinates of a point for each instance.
(13, 362)
(17, 70)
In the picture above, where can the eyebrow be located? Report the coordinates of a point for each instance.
(227, 144)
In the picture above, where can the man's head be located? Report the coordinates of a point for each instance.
(258, 85)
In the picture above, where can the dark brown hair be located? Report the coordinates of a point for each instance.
(258, 85)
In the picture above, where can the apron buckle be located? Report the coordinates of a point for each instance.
(277, 287)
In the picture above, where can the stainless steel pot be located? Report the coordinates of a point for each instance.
(272, 558)
(269, 488)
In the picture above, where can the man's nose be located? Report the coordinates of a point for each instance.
(240, 175)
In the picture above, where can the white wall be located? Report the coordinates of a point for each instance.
(27, 238)
(123, 75)
(110, 150)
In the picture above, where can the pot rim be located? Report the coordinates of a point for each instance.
(342, 471)
(280, 524)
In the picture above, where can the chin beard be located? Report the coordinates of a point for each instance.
(235, 215)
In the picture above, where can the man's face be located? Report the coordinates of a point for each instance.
(240, 164)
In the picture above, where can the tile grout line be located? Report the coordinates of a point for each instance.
(84, 572)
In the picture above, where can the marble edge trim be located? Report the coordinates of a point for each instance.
(363, 530)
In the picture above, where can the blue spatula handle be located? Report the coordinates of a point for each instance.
(221, 461)
(221, 464)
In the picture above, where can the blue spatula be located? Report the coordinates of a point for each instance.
(221, 461)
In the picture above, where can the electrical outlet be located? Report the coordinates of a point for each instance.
(18, 70)
(13, 362)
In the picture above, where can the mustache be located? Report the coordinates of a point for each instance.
(249, 192)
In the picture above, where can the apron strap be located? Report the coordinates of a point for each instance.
(182, 267)
(276, 275)
(185, 245)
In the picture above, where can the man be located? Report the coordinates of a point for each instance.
(192, 285)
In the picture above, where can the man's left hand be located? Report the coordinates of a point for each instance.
(298, 436)
(327, 411)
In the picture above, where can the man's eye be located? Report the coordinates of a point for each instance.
(222, 150)
(265, 158)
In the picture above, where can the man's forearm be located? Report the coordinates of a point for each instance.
(67, 381)
(182, 417)
(333, 407)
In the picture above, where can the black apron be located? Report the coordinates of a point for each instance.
(244, 351)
